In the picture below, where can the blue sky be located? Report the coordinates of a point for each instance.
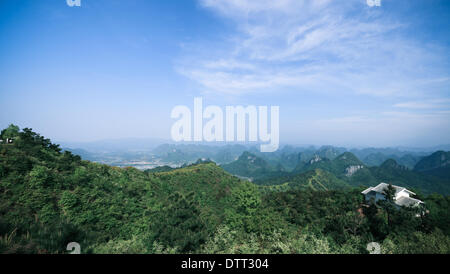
(343, 73)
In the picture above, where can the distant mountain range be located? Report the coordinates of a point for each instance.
(288, 156)
(430, 175)
(251, 166)
(437, 164)
(115, 145)
(226, 153)
(337, 167)
(185, 153)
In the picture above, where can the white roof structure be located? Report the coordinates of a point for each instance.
(407, 201)
(382, 186)
(400, 199)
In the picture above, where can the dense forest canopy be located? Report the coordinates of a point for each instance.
(50, 197)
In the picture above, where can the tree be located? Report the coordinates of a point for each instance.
(178, 224)
(377, 224)
(389, 193)
(10, 132)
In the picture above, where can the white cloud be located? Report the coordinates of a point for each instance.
(315, 46)
(425, 104)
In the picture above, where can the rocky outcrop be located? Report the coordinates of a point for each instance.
(349, 171)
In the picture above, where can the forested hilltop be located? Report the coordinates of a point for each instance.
(50, 197)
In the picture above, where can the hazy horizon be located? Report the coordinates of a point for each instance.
(157, 142)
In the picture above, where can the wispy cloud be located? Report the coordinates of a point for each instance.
(316, 46)
(425, 104)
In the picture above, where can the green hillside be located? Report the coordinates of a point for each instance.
(338, 166)
(316, 180)
(439, 159)
(390, 171)
(437, 164)
(376, 159)
(45, 191)
(49, 198)
(348, 169)
(251, 166)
